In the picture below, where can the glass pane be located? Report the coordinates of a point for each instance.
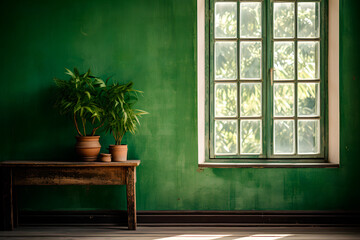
(250, 131)
(308, 99)
(308, 60)
(284, 55)
(284, 20)
(250, 60)
(225, 60)
(225, 20)
(308, 19)
(225, 137)
(284, 137)
(225, 100)
(309, 136)
(250, 99)
(250, 21)
(284, 100)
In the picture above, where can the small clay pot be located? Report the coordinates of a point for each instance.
(87, 148)
(105, 157)
(118, 153)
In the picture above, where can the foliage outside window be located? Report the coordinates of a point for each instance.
(267, 83)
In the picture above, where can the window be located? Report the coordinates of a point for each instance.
(266, 86)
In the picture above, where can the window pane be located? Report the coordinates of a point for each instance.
(308, 60)
(284, 20)
(250, 60)
(225, 20)
(284, 137)
(284, 100)
(250, 21)
(308, 136)
(308, 19)
(225, 137)
(284, 55)
(225, 100)
(250, 132)
(250, 99)
(308, 99)
(225, 60)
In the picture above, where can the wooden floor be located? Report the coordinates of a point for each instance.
(182, 233)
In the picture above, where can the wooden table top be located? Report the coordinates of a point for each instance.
(128, 163)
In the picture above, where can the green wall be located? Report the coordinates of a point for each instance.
(152, 43)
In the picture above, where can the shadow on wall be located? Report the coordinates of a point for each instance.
(34, 130)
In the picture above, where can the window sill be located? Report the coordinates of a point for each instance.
(268, 165)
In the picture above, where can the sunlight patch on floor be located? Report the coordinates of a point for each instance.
(212, 237)
(194, 237)
(264, 237)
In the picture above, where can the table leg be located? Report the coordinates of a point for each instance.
(7, 222)
(15, 206)
(131, 197)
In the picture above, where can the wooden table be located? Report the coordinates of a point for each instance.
(25, 173)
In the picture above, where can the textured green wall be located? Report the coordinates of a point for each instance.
(152, 43)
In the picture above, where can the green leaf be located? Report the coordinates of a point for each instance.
(89, 109)
(76, 72)
(86, 74)
(88, 94)
(68, 72)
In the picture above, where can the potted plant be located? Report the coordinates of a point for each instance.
(79, 97)
(121, 117)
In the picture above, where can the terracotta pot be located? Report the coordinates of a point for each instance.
(118, 152)
(105, 157)
(87, 148)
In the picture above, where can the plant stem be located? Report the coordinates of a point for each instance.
(118, 142)
(94, 129)
(119, 136)
(114, 137)
(84, 123)
(76, 125)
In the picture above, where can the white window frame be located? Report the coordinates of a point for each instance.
(333, 86)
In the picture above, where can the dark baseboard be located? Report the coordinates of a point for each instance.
(194, 218)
